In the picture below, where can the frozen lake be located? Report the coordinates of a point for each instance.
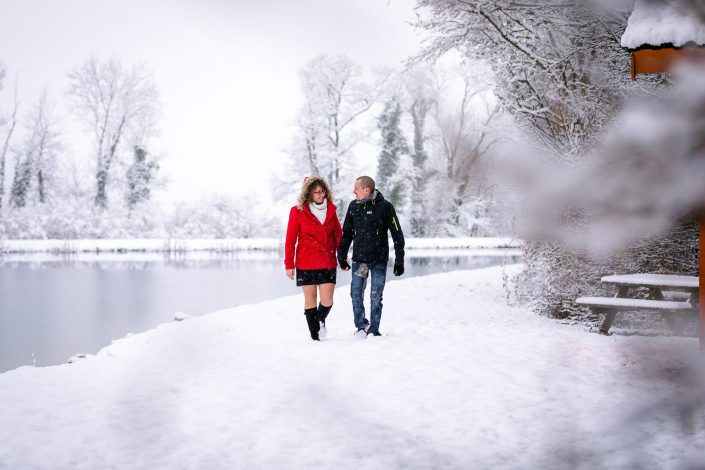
(52, 308)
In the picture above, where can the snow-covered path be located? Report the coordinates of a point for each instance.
(459, 380)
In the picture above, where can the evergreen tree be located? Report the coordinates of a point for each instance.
(139, 176)
(22, 181)
(393, 146)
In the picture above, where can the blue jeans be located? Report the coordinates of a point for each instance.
(357, 292)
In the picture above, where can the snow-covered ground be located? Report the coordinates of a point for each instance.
(459, 380)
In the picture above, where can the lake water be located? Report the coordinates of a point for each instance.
(54, 308)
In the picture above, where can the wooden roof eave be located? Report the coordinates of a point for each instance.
(659, 59)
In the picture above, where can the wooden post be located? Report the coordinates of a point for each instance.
(701, 255)
(633, 64)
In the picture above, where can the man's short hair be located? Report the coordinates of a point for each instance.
(366, 182)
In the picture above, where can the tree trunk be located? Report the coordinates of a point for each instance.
(418, 211)
(40, 186)
(101, 196)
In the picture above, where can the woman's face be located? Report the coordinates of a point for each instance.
(318, 194)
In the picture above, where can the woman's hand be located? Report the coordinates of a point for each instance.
(290, 274)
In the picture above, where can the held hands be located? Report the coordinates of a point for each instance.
(398, 269)
(290, 274)
(344, 264)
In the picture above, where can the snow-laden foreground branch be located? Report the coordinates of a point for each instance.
(225, 245)
(459, 380)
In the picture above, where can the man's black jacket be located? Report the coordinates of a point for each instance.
(365, 226)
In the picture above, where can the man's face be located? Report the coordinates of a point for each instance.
(360, 192)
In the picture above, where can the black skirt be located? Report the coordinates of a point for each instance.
(309, 277)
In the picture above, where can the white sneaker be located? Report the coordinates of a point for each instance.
(361, 333)
(323, 332)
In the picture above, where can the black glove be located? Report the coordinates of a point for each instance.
(398, 269)
(343, 264)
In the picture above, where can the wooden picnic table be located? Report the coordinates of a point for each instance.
(667, 294)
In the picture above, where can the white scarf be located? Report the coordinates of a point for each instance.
(319, 210)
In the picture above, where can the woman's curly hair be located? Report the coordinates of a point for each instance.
(310, 183)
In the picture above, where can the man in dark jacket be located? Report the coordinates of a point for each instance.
(367, 221)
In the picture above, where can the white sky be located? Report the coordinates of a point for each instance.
(227, 69)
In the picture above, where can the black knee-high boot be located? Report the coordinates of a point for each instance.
(323, 313)
(312, 321)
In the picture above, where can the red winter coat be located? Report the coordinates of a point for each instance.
(315, 243)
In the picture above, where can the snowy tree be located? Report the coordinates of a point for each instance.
(418, 86)
(10, 123)
(36, 162)
(335, 96)
(649, 165)
(544, 55)
(139, 177)
(562, 74)
(393, 147)
(117, 105)
(464, 137)
(440, 184)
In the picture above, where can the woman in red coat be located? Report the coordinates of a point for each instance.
(312, 238)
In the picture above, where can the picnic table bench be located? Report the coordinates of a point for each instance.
(667, 295)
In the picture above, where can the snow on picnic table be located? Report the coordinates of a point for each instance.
(653, 280)
(459, 380)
